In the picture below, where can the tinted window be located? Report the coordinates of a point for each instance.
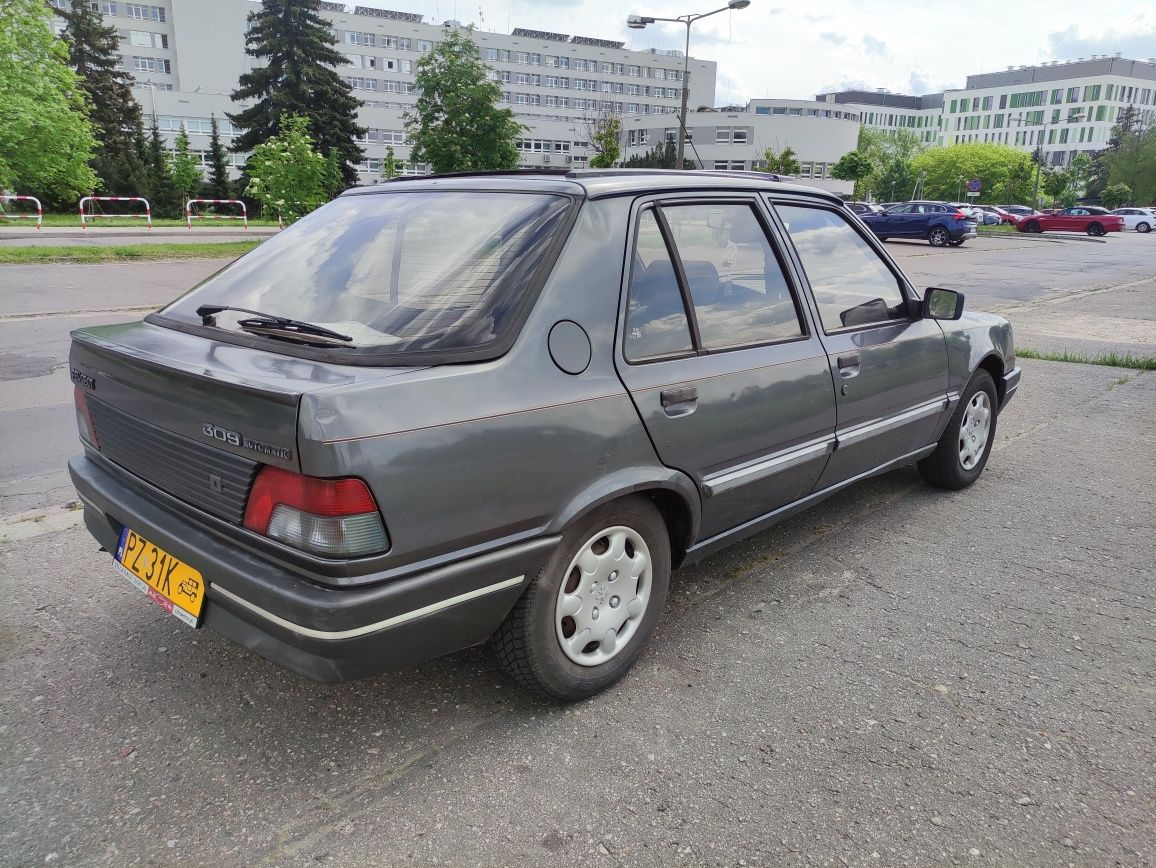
(656, 323)
(736, 282)
(851, 284)
(398, 272)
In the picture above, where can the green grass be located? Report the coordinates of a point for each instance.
(72, 220)
(123, 252)
(1111, 359)
(996, 229)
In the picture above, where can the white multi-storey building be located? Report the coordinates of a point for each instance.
(187, 56)
(737, 137)
(882, 110)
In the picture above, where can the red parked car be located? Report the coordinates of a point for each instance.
(1082, 218)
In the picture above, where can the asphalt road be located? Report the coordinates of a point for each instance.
(898, 676)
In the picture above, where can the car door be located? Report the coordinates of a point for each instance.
(721, 359)
(907, 222)
(889, 367)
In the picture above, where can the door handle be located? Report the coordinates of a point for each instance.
(848, 365)
(679, 401)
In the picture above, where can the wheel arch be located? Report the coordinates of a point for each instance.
(993, 364)
(672, 492)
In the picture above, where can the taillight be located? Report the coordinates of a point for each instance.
(959, 215)
(84, 419)
(330, 517)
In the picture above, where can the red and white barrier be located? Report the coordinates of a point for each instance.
(39, 209)
(147, 215)
(190, 216)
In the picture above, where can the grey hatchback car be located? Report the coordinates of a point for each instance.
(503, 407)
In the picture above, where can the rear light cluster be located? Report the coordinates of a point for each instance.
(328, 517)
(84, 419)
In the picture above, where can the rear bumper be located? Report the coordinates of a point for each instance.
(323, 633)
(1011, 382)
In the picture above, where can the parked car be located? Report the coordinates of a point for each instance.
(1018, 210)
(976, 213)
(1083, 218)
(940, 224)
(1001, 216)
(865, 207)
(504, 407)
(1139, 219)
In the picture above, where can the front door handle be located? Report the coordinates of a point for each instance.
(679, 401)
(848, 365)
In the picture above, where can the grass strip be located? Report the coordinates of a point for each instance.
(72, 221)
(123, 252)
(1110, 359)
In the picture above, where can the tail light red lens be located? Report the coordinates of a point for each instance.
(959, 215)
(84, 418)
(329, 517)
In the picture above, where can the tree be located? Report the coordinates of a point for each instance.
(1055, 184)
(218, 186)
(94, 52)
(1079, 173)
(298, 79)
(890, 156)
(1134, 163)
(46, 139)
(1004, 172)
(604, 132)
(661, 156)
(1116, 195)
(183, 168)
(286, 173)
(391, 166)
(162, 192)
(786, 163)
(852, 166)
(456, 124)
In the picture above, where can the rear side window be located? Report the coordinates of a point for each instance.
(656, 323)
(740, 294)
(400, 272)
(851, 284)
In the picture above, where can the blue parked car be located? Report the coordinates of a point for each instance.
(940, 224)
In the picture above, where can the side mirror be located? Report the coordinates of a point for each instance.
(942, 304)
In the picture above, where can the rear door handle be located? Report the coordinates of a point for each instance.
(848, 365)
(679, 400)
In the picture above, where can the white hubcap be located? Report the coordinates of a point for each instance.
(603, 596)
(974, 430)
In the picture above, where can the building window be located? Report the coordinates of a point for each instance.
(144, 13)
(107, 8)
(145, 39)
(353, 38)
(151, 64)
(424, 45)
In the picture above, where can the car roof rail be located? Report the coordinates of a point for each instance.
(715, 173)
(482, 173)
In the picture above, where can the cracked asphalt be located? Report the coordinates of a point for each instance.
(899, 676)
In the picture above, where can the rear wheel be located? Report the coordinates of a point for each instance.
(938, 236)
(1143, 227)
(586, 617)
(1095, 230)
(963, 449)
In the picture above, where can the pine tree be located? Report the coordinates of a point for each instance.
(163, 195)
(299, 78)
(183, 169)
(218, 187)
(94, 52)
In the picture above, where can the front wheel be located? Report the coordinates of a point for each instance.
(938, 237)
(1095, 230)
(1033, 226)
(963, 449)
(586, 617)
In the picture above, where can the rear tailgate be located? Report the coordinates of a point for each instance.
(196, 417)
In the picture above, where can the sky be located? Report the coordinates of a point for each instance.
(798, 48)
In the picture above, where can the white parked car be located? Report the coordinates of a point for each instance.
(1140, 219)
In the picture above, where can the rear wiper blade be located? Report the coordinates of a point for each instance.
(284, 325)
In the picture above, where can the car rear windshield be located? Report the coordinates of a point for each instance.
(398, 272)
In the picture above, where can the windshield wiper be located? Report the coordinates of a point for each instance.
(275, 326)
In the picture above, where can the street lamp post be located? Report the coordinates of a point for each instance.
(639, 22)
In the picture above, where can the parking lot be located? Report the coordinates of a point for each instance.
(900, 676)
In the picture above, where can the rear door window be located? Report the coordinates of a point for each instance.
(399, 272)
(740, 294)
(850, 282)
(656, 321)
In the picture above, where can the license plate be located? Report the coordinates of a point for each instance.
(167, 581)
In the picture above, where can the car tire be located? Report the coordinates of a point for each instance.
(1032, 226)
(530, 643)
(1143, 227)
(1095, 230)
(938, 237)
(962, 452)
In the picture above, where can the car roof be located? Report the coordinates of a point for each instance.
(600, 183)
